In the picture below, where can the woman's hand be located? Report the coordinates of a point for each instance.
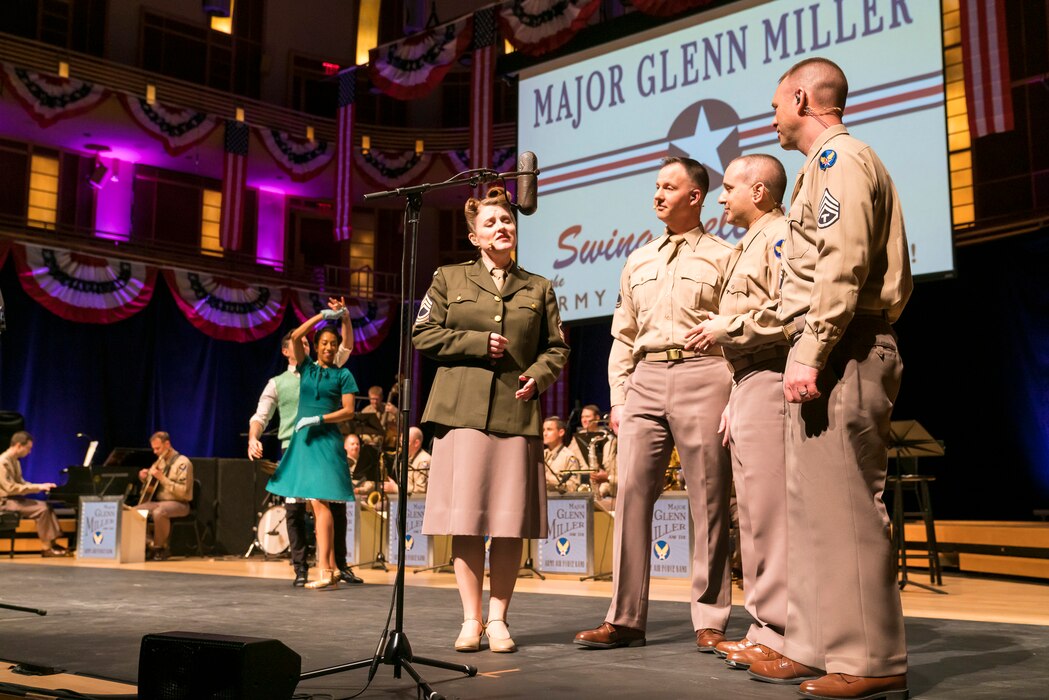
(527, 390)
(307, 422)
(496, 345)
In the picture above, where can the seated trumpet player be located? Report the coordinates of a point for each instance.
(595, 446)
(418, 466)
(559, 460)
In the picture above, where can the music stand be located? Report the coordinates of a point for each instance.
(373, 460)
(394, 648)
(908, 441)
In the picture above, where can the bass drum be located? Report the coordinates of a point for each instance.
(272, 531)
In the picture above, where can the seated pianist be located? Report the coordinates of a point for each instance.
(13, 489)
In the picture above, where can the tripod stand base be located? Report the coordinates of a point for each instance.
(377, 564)
(439, 568)
(529, 570)
(396, 651)
(606, 576)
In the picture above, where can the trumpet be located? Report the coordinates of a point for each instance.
(374, 500)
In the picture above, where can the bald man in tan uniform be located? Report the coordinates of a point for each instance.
(748, 330)
(663, 395)
(846, 279)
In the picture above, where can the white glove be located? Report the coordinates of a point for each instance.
(331, 315)
(307, 422)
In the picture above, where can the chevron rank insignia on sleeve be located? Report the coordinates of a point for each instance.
(830, 210)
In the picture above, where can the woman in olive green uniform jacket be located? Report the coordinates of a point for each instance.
(496, 332)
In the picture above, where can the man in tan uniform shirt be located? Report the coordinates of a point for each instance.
(13, 488)
(753, 341)
(846, 279)
(557, 458)
(418, 466)
(663, 395)
(174, 492)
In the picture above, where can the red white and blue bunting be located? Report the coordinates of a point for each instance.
(503, 160)
(301, 159)
(667, 8)
(410, 68)
(371, 318)
(226, 309)
(84, 288)
(178, 129)
(392, 169)
(48, 98)
(536, 27)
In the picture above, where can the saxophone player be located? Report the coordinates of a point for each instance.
(598, 451)
(558, 458)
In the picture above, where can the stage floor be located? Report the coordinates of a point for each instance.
(97, 616)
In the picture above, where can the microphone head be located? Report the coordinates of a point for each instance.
(526, 184)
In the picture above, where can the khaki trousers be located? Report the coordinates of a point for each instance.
(47, 527)
(843, 602)
(162, 512)
(667, 404)
(757, 411)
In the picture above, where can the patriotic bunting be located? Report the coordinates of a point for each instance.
(410, 68)
(371, 319)
(224, 308)
(48, 98)
(667, 8)
(234, 179)
(536, 27)
(503, 160)
(988, 93)
(397, 169)
(178, 129)
(301, 159)
(84, 288)
(344, 157)
(482, 85)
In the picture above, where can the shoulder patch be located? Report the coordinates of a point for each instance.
(830, 210)
(424, 309)
(827, 159)
(778, 248)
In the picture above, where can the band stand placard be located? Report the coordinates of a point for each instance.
(353, 532)
(416, 544)
(671, 553)
(569, 546)
(109, 530)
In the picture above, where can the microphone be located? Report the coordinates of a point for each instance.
(528, 167)
(83, 435)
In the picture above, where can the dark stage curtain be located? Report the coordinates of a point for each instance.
(121, 382)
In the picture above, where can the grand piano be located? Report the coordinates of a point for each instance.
(116, 476)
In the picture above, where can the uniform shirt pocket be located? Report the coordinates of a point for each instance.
(529, 311)
(643, 288)
(699, 285)
(462, 308)
(736, 293)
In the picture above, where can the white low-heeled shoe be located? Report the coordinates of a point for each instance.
(500, 644)
(469, 642)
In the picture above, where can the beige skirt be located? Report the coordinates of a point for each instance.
(485, 484)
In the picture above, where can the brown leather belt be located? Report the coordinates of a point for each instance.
(671, 355)
(742, 366)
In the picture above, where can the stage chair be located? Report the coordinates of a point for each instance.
(9, 522)
(190, 520)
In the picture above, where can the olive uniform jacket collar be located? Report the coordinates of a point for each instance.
(479, 274)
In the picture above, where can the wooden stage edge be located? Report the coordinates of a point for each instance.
(972, 598)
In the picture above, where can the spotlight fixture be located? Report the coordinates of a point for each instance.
(98, 175)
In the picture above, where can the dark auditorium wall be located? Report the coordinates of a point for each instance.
(121, 382)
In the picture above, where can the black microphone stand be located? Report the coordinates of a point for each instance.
(394, 648)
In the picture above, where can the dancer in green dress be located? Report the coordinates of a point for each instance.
(314, 465)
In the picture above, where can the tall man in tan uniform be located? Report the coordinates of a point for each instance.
(753, 341)
(663, 395)
(847, 278)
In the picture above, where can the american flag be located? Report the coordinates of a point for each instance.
(988, 94)
(234, 177)
(482, 83)
(344, 156)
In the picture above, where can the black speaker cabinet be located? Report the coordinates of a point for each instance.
(193, 666)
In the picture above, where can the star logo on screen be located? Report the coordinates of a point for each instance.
(707, 131)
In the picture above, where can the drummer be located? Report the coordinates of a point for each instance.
(282, 394)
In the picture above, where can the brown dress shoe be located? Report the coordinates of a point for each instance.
(55, 552)
(744, 658)
(725, 648)
(784, 671)
(707, 639)
(842, 686)
(609, 636)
